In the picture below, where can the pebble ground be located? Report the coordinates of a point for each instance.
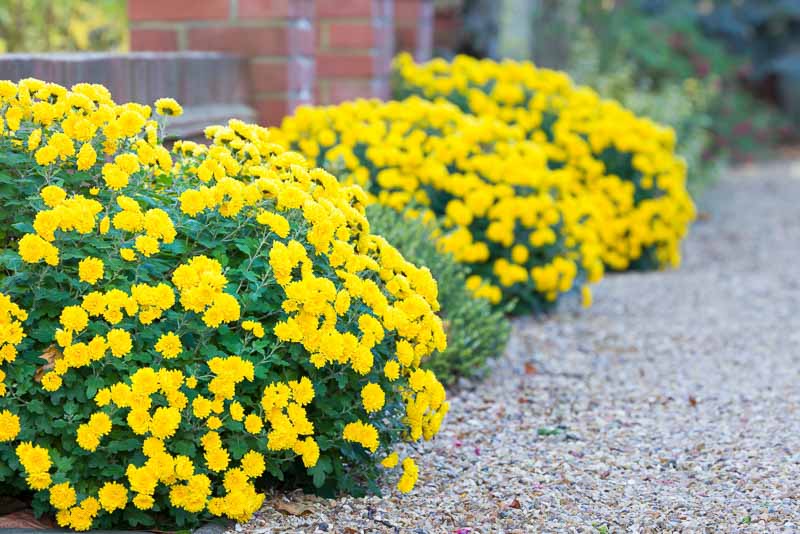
(672, 405)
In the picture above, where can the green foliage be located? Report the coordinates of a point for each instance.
(764, 30)
(660, 50)
(663, 45)
(475, 331)
(62, 25)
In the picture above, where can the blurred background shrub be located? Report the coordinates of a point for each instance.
(665, 52)
(767, 32)
(63, 25)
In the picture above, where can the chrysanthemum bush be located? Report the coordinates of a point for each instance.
(475, 331)
(179, 330)
(628, 159)
(527, 233)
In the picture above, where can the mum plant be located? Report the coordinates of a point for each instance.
(527, 233)
(179, 330)
(611, 152)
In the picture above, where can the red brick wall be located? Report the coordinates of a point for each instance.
(277, 36)
(413, 21)
(299, 51)
(354, 49)
(447, 27)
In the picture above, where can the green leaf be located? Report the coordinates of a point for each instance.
(244, 245)
(324, 443)
(187, 448)
(341, 380)
(274, 470)
(36, 406)
(62, 463)
(23, 227)
(239, 449)
(231, 341)
(93, 384)
(120, 445)
(43, 332)
(138, 517)
(318, 476)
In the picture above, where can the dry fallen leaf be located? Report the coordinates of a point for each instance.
(692, 401)
(530, 369)
(51, 354)
(24, 519)
(293, 508)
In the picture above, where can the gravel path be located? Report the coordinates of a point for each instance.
(673, 405)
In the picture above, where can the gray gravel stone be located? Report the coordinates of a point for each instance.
(672, 405)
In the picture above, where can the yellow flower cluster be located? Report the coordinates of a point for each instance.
(9, 426)
(61, 120)
(90, 270)
(315, 309)
(155, 222)
(218, 306)
(36, 462)
(200, 282)
(169, 107)
(364, 434)
(189, 490)
(524, 229)
(629, 162)
(11, 335)
(147, 303)
(89, 433)
(409, 476)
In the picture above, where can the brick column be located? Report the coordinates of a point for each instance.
(355, 48)
(276, 36)
(447, 27)
(413, 20)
